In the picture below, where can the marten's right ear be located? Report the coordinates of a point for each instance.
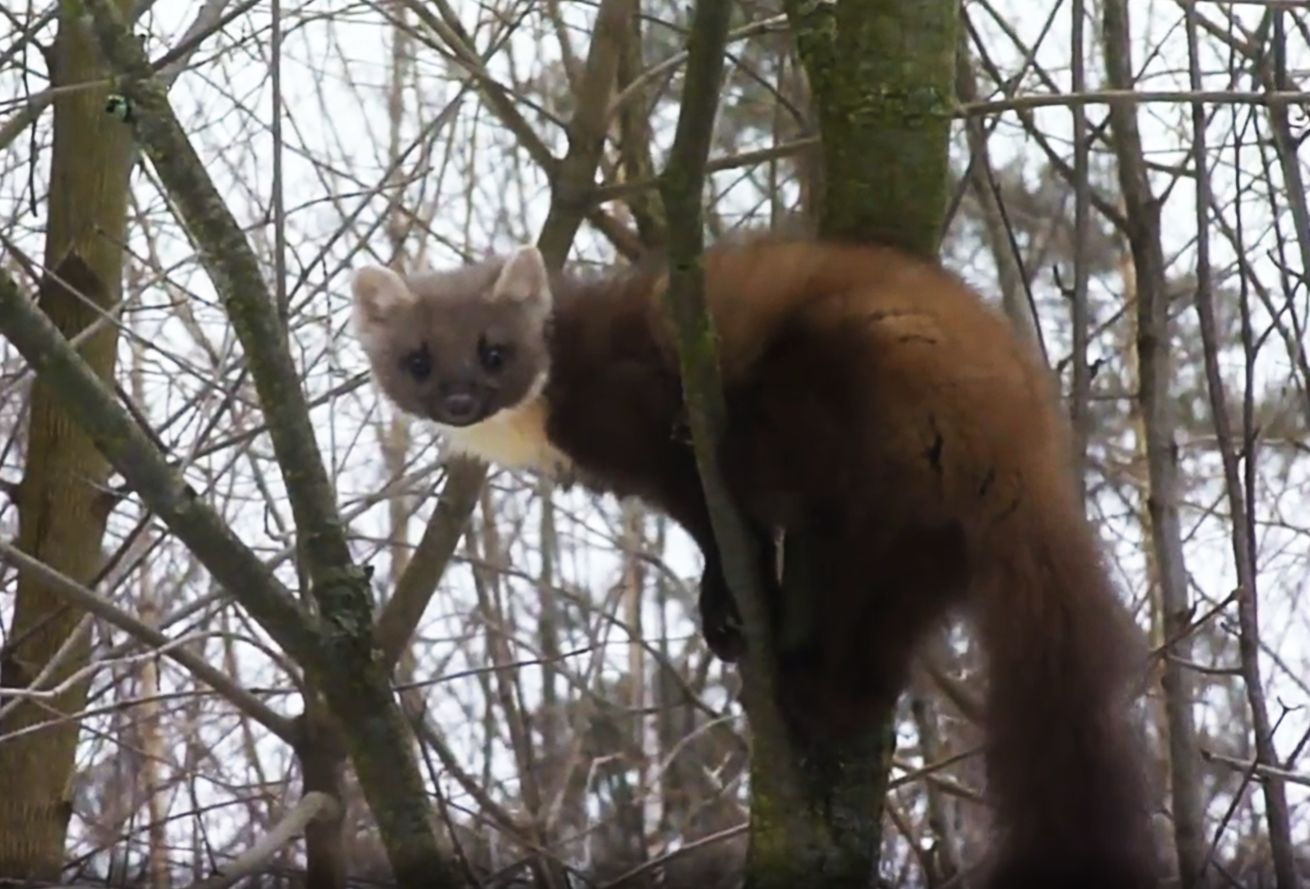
(378, 293)
(523, 278)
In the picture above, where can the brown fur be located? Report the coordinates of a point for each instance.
(877, 405)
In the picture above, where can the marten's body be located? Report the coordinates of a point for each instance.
(876, 406)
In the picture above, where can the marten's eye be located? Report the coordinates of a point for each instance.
(493, 355)
(418, 363)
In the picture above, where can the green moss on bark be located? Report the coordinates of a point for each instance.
(882, 75)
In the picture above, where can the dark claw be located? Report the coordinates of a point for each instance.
(720, 622)
(726, 642)
(721, 626)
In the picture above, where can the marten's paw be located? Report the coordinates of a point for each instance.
(719, 620)
(725, 640)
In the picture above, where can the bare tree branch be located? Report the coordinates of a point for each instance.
(681, 185)
(127, 447)
(573, 181)
(1153, 362)
(91, 602)
(1242, 530)
(338, 585)
(414, 588)
(313, 805)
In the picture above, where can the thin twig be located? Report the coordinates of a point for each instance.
(89, 601)
(146, 470)
(1119, 97)
(311, 806)
(1264, 771)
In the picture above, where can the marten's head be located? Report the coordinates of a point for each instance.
(457, 346)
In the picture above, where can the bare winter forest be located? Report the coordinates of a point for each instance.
(278, 636)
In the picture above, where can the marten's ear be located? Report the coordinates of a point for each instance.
(523, 278)
(378, 294)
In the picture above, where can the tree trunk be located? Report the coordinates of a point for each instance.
(1142, 210)
(62, 504)
(882, 75)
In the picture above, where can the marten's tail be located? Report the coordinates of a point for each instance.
(1064, 755)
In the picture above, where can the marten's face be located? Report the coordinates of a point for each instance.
(459, 346)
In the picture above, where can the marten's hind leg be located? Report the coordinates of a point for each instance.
(874, 605)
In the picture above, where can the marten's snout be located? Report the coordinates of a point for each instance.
(460, 407)
(458, 402)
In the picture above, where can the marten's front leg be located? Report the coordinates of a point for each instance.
(719, 618)
(721, 621)
(626, 431)
(682, 498)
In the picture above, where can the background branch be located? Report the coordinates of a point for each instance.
(166, 493)
(216, 679)
(415, 586)
(312, 805)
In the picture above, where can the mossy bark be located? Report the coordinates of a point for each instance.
(816, 803)
(815, 806)
(62, 502)
(882, 76)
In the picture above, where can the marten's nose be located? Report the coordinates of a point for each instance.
(460, 406)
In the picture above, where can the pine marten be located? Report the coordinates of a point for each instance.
(879, 407)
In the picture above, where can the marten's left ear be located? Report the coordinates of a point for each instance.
(378, 292)
(523, 278)
(378, 295)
